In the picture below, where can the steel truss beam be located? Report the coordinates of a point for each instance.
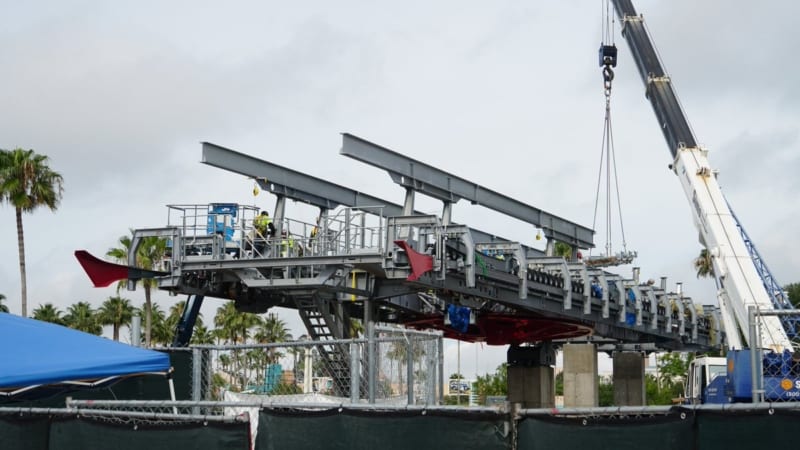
(429, 180)
(305, 188)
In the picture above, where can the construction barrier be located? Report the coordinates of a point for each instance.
(145, 425)
(667, 432)
(360, 429)
(64, 430)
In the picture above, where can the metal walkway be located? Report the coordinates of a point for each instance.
(368, 255)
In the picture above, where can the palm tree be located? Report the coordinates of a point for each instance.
(174, 318)
(703, 264)
(115, 311)
(272, 330)
(81, 316)
(162, 333)
(26, 183)
(202, 335)
(3, 308)
(151, 250)
(233, 325)
(48, 313)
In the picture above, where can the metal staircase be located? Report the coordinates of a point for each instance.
(325, 322)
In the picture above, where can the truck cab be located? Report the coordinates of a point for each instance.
(705, 382)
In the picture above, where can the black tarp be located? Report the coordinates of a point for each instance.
(673, 431)
(762, 429)
(62, 431)
(24, 432)
(102, 434)
(343, 429)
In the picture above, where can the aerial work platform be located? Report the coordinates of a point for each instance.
(366, 257)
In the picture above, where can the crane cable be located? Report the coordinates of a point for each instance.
(608, 60)
(607, 23)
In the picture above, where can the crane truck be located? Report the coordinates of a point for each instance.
(754, 309)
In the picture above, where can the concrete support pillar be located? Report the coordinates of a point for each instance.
(580, 375)
(531, 381)
(629, 381)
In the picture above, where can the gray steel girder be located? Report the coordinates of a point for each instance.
(312, 190)
(444, 186)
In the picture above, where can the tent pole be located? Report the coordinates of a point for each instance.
(172, 392)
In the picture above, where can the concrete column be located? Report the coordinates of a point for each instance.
(580, 375)
(531, 381)
(629, 381)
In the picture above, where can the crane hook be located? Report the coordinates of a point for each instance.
(608, 77)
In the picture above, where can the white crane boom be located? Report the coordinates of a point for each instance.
(738, 281)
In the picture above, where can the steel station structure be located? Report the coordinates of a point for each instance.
(368, 258)
(372, 259)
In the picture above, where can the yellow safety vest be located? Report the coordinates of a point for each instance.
(261, 223)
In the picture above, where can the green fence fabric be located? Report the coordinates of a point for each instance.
(745, 430)
(358, 429)
(613, 433)
(342, 429)
(23, 432)
(89, 434)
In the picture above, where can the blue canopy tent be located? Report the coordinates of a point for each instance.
(41, 355)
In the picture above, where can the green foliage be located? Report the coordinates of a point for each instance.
(452, 400)
(81, 316)
(563, 250)
(287, 389)
(150, 253)
(793, 291)
(48, 313)
(161, 332)
(202, 335)
(3, 308)
(661, 393)
(27, 183)
(356, 328)
(115, 311)
(672, 366)
(218, 385)
(703, 265)
(672, 369)
(560, 383)
(492, 384)
(605, 392)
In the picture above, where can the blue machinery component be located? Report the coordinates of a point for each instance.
(780, 376)
(185, 328)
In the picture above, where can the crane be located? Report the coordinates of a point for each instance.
(742, 278)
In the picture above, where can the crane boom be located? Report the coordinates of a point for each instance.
(739, 285)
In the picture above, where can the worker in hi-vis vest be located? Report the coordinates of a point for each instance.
(264, 230)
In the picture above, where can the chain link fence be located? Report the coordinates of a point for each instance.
(406, 369)
(776, 371)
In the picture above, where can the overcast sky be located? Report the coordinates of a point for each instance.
(507, 94)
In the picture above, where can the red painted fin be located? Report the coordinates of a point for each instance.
(102, 273)
(420, 262)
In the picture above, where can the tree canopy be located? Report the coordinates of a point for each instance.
(27, 183)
